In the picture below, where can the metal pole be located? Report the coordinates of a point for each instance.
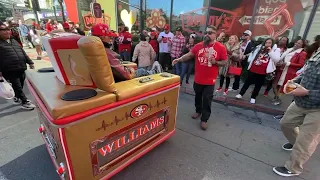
(208, 14)
(171, 13)
(116, 8)
(55, 12)
(311, 17)
(141, 16)
(256, 5)
(35, 11)
(145, 10)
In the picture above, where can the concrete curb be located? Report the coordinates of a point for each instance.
(228, 101)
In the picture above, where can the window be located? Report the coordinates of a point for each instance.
(232, 18)
(277, 18)
(128, 14)
(315, 26)
(190, 15)
(157, 13)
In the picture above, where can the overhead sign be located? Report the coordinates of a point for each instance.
(96, 10)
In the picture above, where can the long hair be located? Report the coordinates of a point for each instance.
(235, 37)
(287, 44)
(272, 40)
(262, 48)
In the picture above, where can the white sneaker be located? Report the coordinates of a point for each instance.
(28, 106)
(157, 67)
(16, 101)
(252, 101)
(239, 96)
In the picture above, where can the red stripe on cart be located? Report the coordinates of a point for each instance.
(75, 117)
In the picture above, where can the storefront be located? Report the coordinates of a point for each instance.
(83, 15)
(265, 18)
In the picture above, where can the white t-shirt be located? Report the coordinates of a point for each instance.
(164, 46)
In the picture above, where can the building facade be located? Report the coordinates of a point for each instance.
(264, 18)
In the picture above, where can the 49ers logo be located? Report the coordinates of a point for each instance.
(139, 111)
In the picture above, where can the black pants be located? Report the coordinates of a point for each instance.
(236, 83)
(269, 86)
(165, 60)
(203, 99)
(257, 80)
(17, 81)
(222, 81)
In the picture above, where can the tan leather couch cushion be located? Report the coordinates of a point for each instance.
(97, 61)
(131, 88)
(50, 90)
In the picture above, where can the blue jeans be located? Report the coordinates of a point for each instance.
(125, 55)
(187, 68)
(178, 68)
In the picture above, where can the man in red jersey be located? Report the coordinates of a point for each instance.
(209, 55)
(125, 39)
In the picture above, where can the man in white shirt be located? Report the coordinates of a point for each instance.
(164, 40)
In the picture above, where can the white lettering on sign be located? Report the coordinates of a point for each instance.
(269, 2)
(245, 20)
(131, 136)
(270, 6)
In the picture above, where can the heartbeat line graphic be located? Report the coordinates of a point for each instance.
(126, 116)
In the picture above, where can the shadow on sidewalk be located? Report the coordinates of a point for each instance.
(263, 104)
(28, 166)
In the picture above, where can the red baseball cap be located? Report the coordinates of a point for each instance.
(65, 25)
(153, 34)
(102, 30)
(166, 27)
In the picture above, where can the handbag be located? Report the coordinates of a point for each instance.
(271, 76)
(6, 90)
(235, 70)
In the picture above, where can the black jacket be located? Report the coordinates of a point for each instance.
(12, 57)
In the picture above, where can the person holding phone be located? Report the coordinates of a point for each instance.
(164, 40)
(261, 62)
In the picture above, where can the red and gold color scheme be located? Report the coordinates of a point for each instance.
(96, 138)
(156, 19)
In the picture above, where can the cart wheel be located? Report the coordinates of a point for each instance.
(46, 70)
(79, 94)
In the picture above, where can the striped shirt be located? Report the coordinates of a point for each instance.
(310, 79)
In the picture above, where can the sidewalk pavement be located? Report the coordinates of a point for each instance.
(263, 104)
(33, 54)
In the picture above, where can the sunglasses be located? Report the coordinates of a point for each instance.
(209, 32)
(246, 34)
(5, 29)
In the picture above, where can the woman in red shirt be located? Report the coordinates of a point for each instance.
(261, 62)
(154, 42)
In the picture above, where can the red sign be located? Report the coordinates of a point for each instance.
(108, 150)
(225, 21)
(285, 13)
(139, 111)
(96, 10)
(90, 20)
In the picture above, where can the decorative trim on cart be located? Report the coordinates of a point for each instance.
(137, 112)
(111, 149)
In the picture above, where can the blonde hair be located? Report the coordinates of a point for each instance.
(235, 37)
